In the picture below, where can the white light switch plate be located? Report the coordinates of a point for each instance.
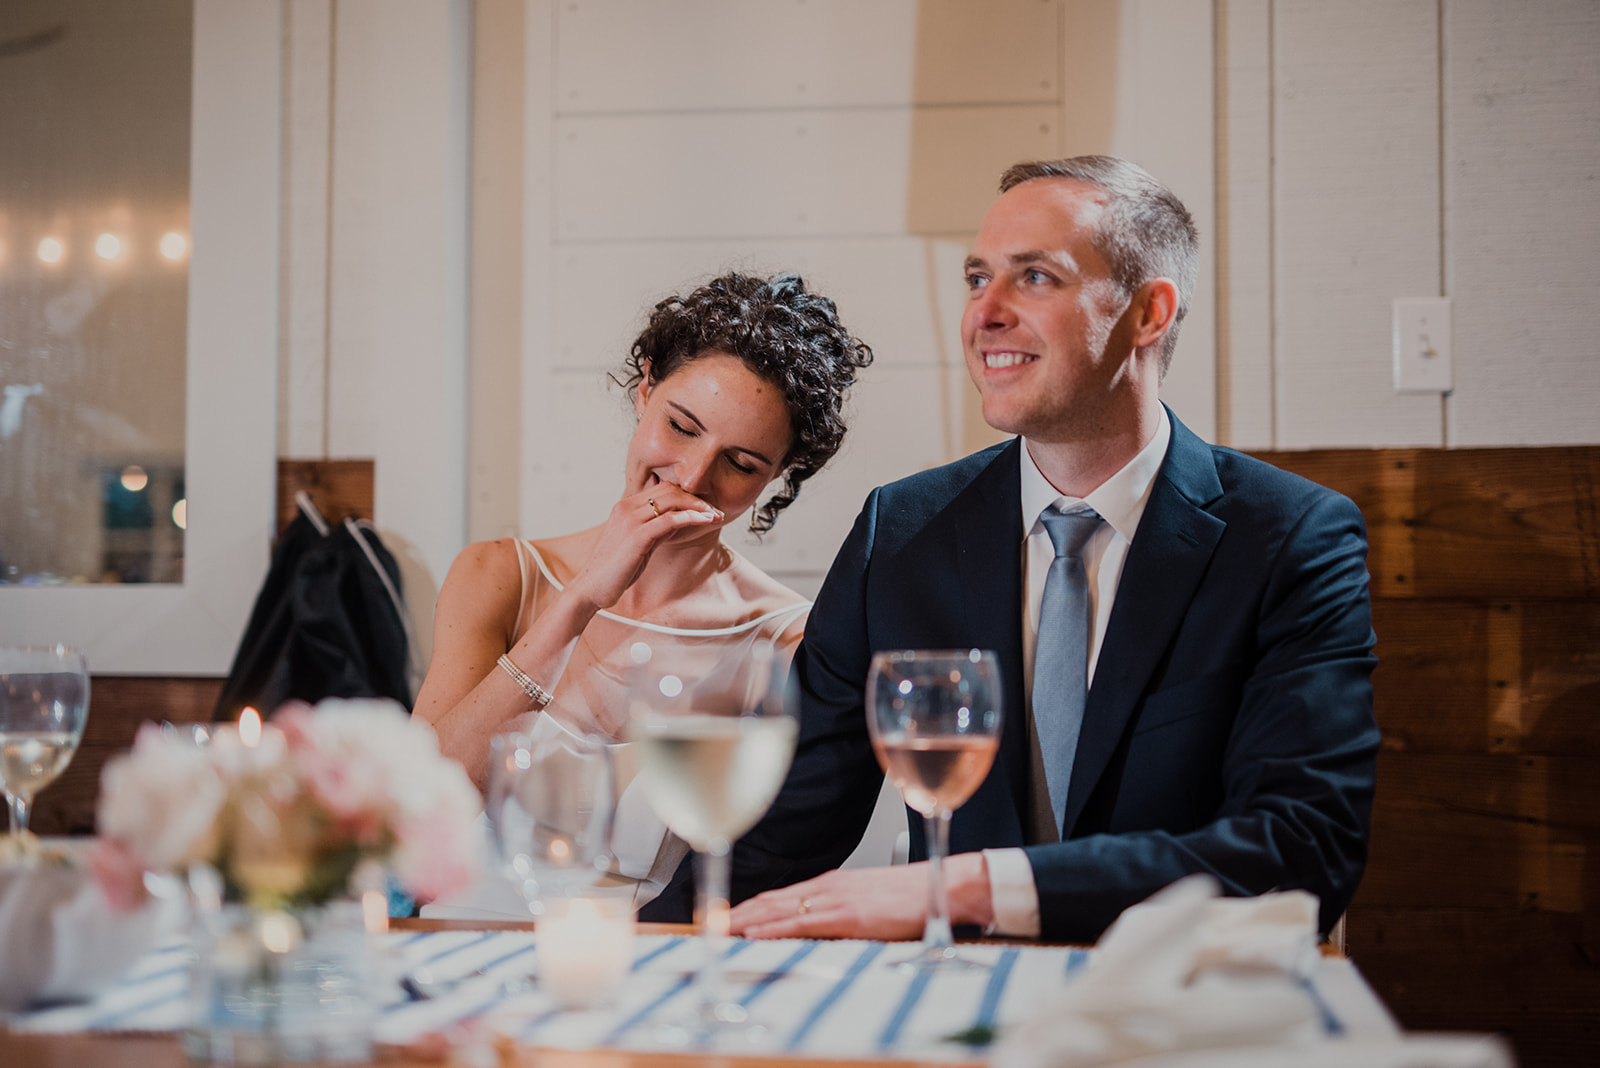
(1422, 345)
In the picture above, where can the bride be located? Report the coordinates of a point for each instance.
(736, 385)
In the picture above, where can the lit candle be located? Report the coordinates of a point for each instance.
(250, 728)
(585, 948)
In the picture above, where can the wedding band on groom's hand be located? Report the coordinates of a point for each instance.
(651, 501)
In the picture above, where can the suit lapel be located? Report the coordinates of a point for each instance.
(1166, 561)
(989, 561)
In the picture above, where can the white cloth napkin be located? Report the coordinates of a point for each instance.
(61, 940)
(1190, 980)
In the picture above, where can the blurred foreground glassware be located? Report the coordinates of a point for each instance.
(280, 986)
(934, 717)
(549, 803)
(44, 704)
(714, 736)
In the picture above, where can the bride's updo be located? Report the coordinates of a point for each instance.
(783, 334)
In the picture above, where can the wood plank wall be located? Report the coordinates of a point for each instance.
(1480, 909)
(118, 704)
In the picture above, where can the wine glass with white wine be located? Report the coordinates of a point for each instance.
(713, 734)
(44, 703)
(934, 718)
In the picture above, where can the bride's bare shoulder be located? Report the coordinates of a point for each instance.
(563, 555)
(761, 591)
(486, 565)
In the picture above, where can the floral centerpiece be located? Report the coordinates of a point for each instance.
(287, 812)
(279, 826)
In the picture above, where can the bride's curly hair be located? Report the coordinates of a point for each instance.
(783, 334)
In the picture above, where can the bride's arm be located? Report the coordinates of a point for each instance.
(466, 696)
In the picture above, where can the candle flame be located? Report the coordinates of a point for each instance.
(250, 727)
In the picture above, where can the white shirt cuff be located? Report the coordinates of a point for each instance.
(1011, 891)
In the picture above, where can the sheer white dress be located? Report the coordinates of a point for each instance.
(596, 677)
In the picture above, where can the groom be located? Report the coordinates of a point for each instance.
(1184, 633)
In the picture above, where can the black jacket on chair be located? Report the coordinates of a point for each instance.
(324, 624)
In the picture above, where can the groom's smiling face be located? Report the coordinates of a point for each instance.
(1043, 312)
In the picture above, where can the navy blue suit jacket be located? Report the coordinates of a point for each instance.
(1229, 725)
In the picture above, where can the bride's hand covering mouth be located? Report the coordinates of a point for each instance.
(637, 525)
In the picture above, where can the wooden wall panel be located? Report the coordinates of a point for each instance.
(338, 488)
(1486, 831)
(1522, 218)
(117, 706)
(1483, 523)
(1532, 975)
(1356, 206)
(1480, 908)
(643, 55)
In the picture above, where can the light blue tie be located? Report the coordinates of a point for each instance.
(1060, 668)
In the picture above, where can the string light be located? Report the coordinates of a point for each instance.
(107, 246)
(51, 250)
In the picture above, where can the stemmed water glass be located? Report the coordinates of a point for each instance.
(44, 703)
(934, 718)
(549, 805)
(714, 734)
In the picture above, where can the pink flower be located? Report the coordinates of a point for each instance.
(119, 873)
(434, 858)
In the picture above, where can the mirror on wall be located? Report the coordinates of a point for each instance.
(95, 120)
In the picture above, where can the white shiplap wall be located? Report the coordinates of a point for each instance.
(1338, 156)
(1381, 149)
(1522, 219)
(857, 143)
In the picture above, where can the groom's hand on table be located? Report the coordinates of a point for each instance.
(885, 904)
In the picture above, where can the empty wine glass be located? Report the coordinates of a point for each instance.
(549, 805)
(44, 703)
(934, 718)
(714, 734)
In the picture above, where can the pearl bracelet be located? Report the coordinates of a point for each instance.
(536, 693)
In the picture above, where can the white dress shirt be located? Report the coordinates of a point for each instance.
(1120, 501)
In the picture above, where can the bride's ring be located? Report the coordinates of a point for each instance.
(804, 906)
(651, 501)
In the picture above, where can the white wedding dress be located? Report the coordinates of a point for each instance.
(596, 677)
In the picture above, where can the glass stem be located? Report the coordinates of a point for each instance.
(19, 812)
(937, 939)
(712, 907)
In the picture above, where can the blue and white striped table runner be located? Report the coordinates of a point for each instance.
(820, 999)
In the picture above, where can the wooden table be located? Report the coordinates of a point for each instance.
(137, 1050)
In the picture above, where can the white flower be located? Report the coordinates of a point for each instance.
(161, 801)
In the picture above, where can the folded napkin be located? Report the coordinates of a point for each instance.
(1406, 1051)
(1187, 979)
(60, 939)
(1183, 970)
